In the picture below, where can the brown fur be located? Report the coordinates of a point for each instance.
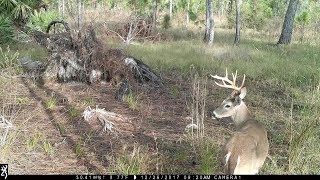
(248, 142)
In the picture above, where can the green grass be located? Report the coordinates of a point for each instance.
(174, 91)
(133, 160)
(208, 157)
(61, 129)
(79, 149)
(8, 60)
(47, 147)
(88, 101)
(74, 112)
(132, 101)
(256, 59)
(33, 50)
(51, 102)
(33, 142)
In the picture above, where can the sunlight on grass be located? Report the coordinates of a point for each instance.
(47, 147)
(51, 102)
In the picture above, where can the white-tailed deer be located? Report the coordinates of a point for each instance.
(246, 151)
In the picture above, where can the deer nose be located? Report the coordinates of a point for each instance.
(213, 115)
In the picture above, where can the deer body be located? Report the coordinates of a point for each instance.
(246, 151)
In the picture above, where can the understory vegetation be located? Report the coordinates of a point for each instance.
(283, 81)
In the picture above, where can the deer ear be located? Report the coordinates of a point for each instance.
(243, 92)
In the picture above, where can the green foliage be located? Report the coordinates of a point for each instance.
(208, 157)
(48, 148)
(253, 14)
(166, 24)
(182, 4)
(88, 101)
(140, 6)
(278, 7)
(21, 11)
(303, 18)
(51, 102)
(73, 112)
(18, 10)
(79, 150)
(6, 6)
(61, 129)
(174, 91)
(40, 20)
(32, 142)
(314, 7)
(132, 101)
(192, 16)
(6, 30)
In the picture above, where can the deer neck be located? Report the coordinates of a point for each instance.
(242, 115)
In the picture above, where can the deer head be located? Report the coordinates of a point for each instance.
(233, 105)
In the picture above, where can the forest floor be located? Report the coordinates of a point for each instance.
(51, 136)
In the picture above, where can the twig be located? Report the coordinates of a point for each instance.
(6, 125)
(273, 162)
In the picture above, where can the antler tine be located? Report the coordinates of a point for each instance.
(234, 78)
(224, 80)
(224, 85)
(226, 73)
(232, 84)
(244, 78)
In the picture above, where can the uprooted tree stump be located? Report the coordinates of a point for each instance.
(80, 56)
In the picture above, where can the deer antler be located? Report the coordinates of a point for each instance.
(232, 84)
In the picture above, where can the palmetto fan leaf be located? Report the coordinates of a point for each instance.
(21, 11)
(7, 5)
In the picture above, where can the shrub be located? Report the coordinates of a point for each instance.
(40, 20)
(166, 24)
(6, 30)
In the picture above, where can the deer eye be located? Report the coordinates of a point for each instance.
(227, 106)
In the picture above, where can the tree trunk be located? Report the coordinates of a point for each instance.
(220, 8)
(63, 8)
(238, 22)
(79, 13)
(254, 12)
(59, 7)
(287, 27)
(302, 31)
(209, 33)
(154, 14)
(197, 6)
(170, 8)
(188, 9)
